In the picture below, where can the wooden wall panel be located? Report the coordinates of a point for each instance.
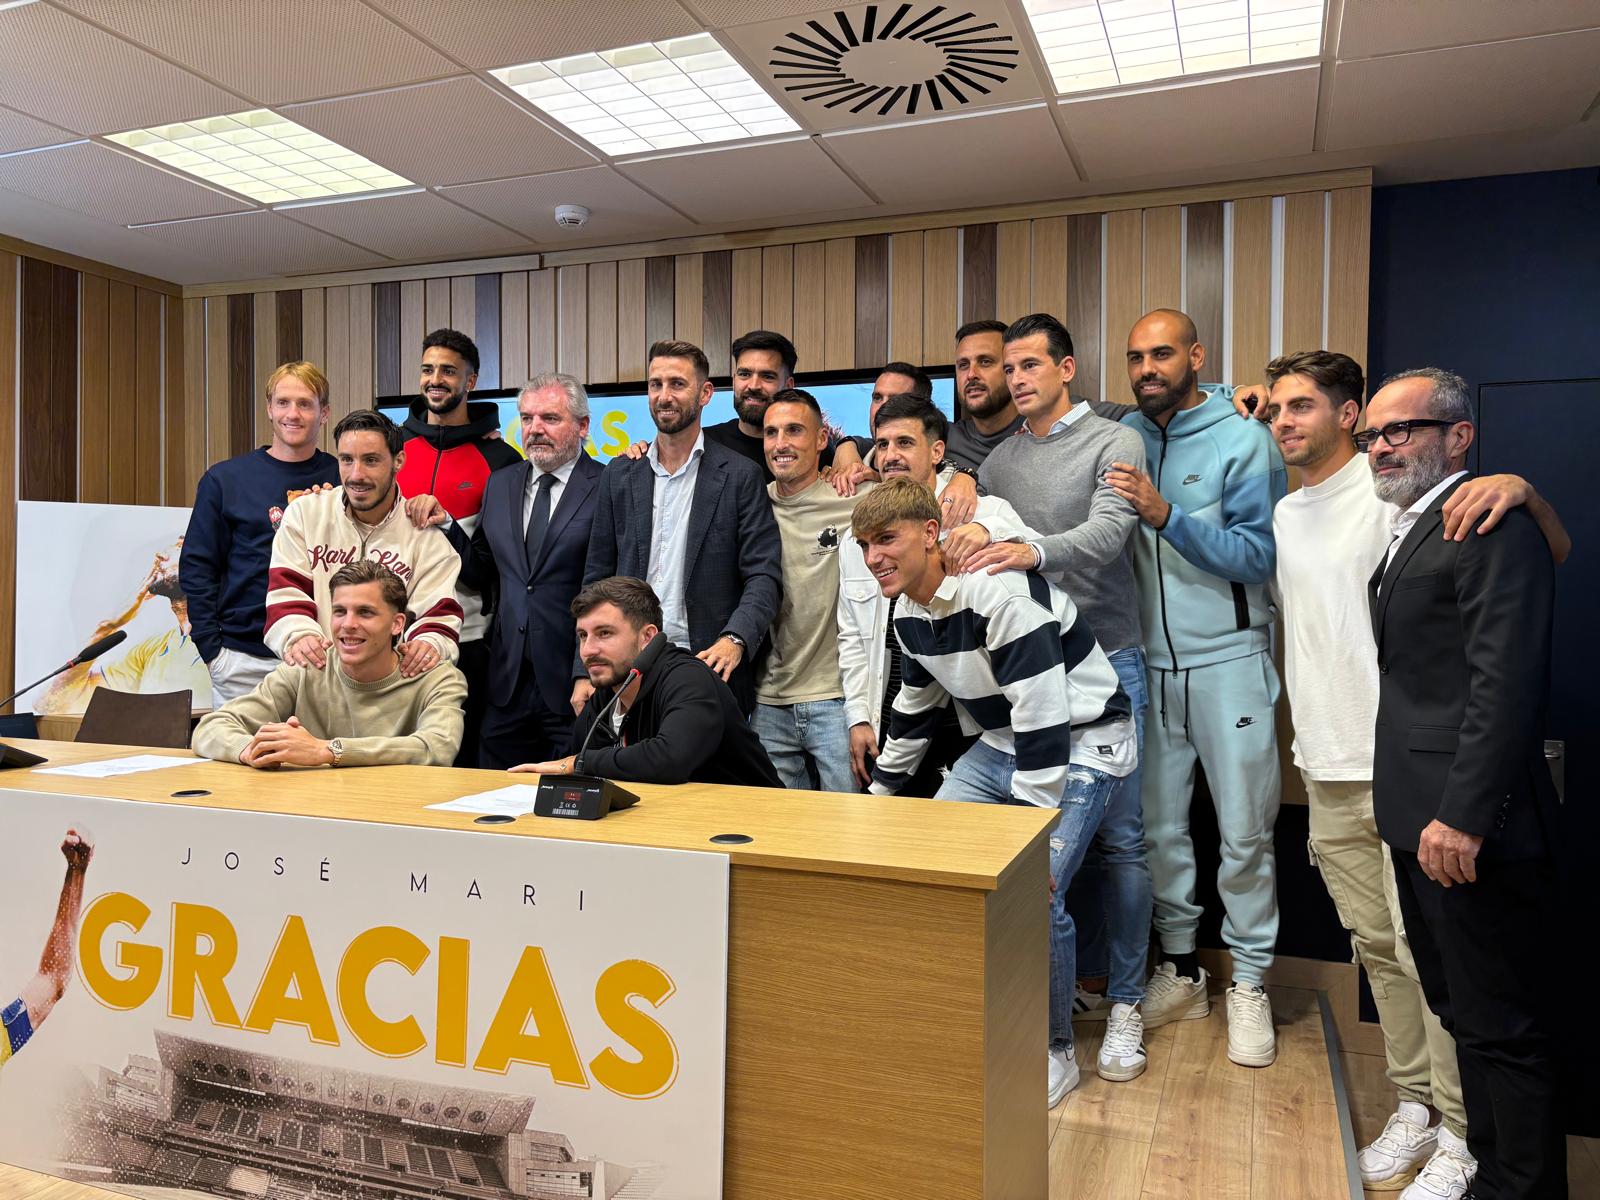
(747, 292)
(196, 411)
(572, 321)
(872, 300)
(291, 345)
(9, 305)
(48, 420)
(941, 304)
(241, 373)
(463, 305)
(218, 444)
(1013, 267)
(716, 331)
(267, 359)
(385, 337)
(777, 290)
(839, 304)
(177, 487)
(336, 334)
(1204, 276)
(413, 302)
(435, 305)
(514, 329)
(631, 344)
(486, 326)
(94, 366)
(314, 335)
(148, 338)
(363, 388)
(1047, 291)
(1303, 246)
(905, 297)
(689, 298)
(541, 321)
(602, 323)
(1124, 295)
(1163, 257)
(1084, 303)
(122, 485)
(659, 303)
(1251, 334)
(1349, 249)
(977, 273)
(810, 272)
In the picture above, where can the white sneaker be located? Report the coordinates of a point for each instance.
(1407, 1140)
(1089, 1006)
(1173, 997)
(1448, 1174)
(1061, 1076)
(1122, 1053)
(1251, 1040)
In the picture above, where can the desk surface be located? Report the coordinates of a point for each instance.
(922, 841)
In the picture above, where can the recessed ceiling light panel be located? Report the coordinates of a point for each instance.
(654, 96)
(1092, 44)
(261, 155)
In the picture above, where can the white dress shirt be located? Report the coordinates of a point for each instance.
(669, 538)
(562, 474)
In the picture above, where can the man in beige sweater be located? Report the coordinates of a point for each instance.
(360, 710)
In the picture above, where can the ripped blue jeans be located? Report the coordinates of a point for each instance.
(983, 774)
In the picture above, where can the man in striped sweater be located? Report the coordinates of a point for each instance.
(1056, 727)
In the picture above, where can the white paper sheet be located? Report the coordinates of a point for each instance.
(514, 800)
(131, 765)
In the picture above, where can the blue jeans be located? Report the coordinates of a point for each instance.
(808, 743)
(1111, 896)
(983, 774)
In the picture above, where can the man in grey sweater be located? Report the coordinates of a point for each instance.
(1052, 472)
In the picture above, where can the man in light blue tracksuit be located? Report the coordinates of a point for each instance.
(1202, 556)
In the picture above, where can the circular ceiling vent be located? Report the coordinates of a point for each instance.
(908, 59)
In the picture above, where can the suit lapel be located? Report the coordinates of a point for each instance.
(707, 488)
(641, 517)
(514, 495)
(579, 485)
(1428, 525)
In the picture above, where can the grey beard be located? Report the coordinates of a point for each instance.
(1419, 477)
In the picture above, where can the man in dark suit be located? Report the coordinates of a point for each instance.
(1461, 792)
(693, 520)
(527, 556)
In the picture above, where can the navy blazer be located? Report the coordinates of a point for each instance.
(734, 575)
(532, 601)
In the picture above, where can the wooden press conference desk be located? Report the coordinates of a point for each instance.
(887, 961)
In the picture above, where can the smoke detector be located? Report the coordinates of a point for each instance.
(571, 216)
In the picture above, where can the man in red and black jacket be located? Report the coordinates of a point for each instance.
(451, 446)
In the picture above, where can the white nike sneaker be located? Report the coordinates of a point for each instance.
(1173, 997)
(1061, 1076)
(1448, 1174)
(1251, 1039)
(1089, 1006)
(1122, 1054)
(1406, 1142)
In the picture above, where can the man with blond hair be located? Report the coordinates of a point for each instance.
(237, 510)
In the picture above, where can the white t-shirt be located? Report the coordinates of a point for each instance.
(1331, 537)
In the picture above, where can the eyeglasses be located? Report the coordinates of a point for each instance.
(1396, 433)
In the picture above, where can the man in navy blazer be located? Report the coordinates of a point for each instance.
(527, 557)
(693, 520)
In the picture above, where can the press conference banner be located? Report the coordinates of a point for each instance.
(289, 1007)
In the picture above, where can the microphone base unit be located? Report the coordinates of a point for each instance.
(11, 756)
(579, 797)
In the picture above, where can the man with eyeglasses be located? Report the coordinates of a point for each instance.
(1461, 791)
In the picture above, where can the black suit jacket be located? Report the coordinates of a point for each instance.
(532, 601)
(1463, 632)
(734, 574)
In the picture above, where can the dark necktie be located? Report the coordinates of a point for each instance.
(539, 518)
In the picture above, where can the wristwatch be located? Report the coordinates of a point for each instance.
(336, 748)
(735, 639)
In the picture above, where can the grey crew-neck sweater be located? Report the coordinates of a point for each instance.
(1054, 483)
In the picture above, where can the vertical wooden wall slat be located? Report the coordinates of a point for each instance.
(413, 328)
(196, 414)
(386, 337)
(314, 347)
(1124, 298)
(464, 305)
(336, 335)
(716, 330)
(777, 290)
(94, 362)
(435, 306)
(602, 334)
(1084, 301)
(872, 300)
(267, 360)
(219, 443)
(8, 468)
(514, 328)
(541, 321)
(747, 287)
(572, 321)
(1013, 287)
(147, 396)
(176, 488)
(1303, 223)
(809, 337)
(1163, 257)
(64, 375)
(241, 372)
(659, 303)
(631, 344)
(689, 298)
(1204, 273)
(291, 341)
(839, 304)
(1251, 335)
(1349, 249)
(363, 390)
(977, 273)
(905, 297)
(1048, 293)
(941, 253)
(486, 326)
(122, 484)
(48, 422)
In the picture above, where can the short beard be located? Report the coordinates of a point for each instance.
(686, 418)
(1160, 404)
(1419, 475)
(548, 458)
(448, 405)
(751, 411)
(1317, 448)
(992, 403)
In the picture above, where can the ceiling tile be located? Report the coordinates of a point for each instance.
(67, 72)
(618, 210)
(20, 132)
(859, 65)
(275, 51)
(473, 132)
(1190, 125)
(985, 158)
(261, 245)
(50, 225)
(1530, 82)
(418, 225)
(499, 33)
(1383, 27)
(732, 12)
(748, 183)
(92, 179)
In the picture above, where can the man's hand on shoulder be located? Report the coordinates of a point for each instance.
(959, 500)
(418, 656)
(308, 650)
(722, 656)
(424, 511)
(1002, 556)
(1137, 488)
(582, 689)
(1487, 498)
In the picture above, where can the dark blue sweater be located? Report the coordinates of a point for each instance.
(223, 569)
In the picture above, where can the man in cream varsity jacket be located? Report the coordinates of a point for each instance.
(362, 519)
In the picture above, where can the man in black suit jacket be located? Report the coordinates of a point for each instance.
(693, 520)
(526, 556)
(1461, 792)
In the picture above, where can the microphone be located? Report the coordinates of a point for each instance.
(88, 654)
(585, 797)
(605, 709)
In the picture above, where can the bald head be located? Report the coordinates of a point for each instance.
(1164, 361)
(1169, 325)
